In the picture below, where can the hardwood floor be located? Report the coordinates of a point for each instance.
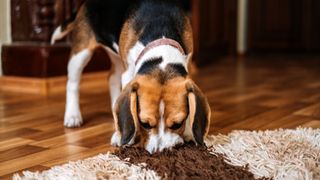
(251, 94)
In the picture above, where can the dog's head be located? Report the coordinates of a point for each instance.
(161, 108)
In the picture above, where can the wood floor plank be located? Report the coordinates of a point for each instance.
(102, 149)
(17, 133)
(93, 141)
(290, 121)
(14, 165)
(313, 124)
(18, 152)
(312, 110)
(33, 168)
(74, 136)
(266, 117)
(13, 143)
(14, 125)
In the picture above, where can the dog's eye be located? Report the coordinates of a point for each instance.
(176, 126)
(145, 125)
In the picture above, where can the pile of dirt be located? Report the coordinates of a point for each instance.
(185, 162)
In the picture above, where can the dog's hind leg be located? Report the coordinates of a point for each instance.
(117, 68)
(78, 61)
(115, 75)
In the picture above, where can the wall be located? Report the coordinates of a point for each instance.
(242, 26)
(5, 35)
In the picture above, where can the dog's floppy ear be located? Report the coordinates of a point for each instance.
(126, 114)
(199, 113)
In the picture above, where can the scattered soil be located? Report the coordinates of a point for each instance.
(185, 162)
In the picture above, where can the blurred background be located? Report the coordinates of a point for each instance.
(222, 28)
(259, 67)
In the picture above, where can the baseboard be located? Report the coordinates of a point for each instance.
(49, 86)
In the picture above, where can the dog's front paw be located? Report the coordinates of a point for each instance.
(116, 139)
(72, 120)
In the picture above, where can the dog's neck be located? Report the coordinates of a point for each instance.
(169, 51)
(160, 42)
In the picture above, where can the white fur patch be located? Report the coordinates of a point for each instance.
(76, 64)
(116, 139)
(56, 34)
(169, 140)
(115, 46)
(133, 54)
(115, 78)
(153, 143)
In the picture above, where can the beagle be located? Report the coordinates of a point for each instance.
(155, 103)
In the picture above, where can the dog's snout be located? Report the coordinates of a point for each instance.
(158, 143)
(163, 139)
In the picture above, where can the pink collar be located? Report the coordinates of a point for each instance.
(160, 42)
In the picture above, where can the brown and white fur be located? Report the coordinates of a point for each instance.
(154, 101)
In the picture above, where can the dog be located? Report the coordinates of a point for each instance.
(155, 103)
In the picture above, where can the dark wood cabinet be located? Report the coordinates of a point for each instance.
(31, 54)
(35, 20)
(284, 26)
(214, 25)
(313, 25)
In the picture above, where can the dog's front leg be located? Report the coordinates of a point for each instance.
(78, 61)
(115, 75)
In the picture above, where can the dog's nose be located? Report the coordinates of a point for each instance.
(159, 142)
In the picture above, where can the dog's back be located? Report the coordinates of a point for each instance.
(152, 19)
(106, 18)
(155, 19)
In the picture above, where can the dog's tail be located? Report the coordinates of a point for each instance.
(64, 29)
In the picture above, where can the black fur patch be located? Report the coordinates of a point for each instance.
(107, 17)
(150, 65)
(126, 121)
(177, 70)
(171, 71)
(200, 119)
(154, 19)
(65, 24)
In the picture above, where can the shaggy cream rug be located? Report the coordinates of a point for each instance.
(277, 154)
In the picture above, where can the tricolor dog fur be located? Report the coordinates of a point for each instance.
(155, 102)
